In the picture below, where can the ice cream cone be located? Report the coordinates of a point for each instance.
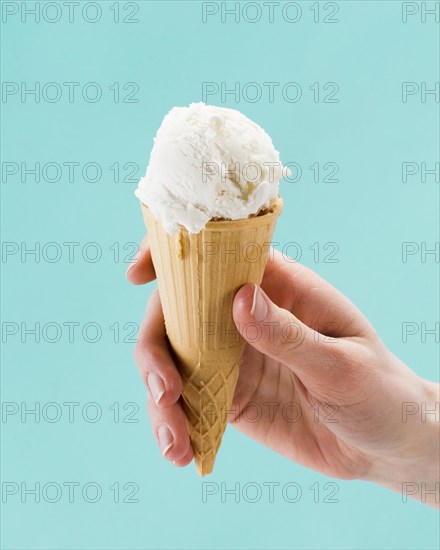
(198, 276)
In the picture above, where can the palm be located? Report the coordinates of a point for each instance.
(287, 423)
(276, 409)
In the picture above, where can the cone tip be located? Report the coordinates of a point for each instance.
(204, 465)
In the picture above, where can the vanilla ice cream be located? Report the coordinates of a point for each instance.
(208, 163)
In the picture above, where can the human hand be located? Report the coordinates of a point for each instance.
(316, 383)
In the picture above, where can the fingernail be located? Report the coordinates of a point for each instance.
(157, 386)
(165, 439)
(259, 307)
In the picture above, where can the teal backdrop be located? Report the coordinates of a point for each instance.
(352, 102)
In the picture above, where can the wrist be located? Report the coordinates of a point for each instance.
(414, 468)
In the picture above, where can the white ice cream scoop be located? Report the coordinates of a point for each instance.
(207, 163)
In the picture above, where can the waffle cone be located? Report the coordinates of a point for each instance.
(198, 276)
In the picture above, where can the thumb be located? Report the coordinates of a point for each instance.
(278, 333)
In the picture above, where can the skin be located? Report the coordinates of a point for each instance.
(331, 396)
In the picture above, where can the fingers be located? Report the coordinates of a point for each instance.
(153, 357)
(170, 431)
(155, 363)
(316, 302)
(279, 334)
(141, 271)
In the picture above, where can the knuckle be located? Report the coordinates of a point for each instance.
(293, 335)
(157, 360)
(146, 359)
(174, 386)
(285, 338)
(351, 363)
(149, 357)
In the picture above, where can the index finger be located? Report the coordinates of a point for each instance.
(141, 271)
(312, 299)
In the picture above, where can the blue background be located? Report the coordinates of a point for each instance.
(369, 212)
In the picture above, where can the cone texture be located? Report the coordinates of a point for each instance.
(198, 277)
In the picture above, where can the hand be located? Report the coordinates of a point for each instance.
(325, 390)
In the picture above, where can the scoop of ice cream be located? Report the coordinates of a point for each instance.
(209, 162)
